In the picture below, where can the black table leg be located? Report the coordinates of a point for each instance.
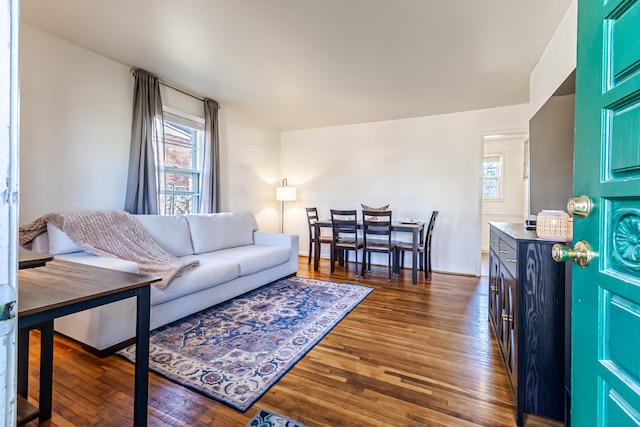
(414, 258)
(23, 362)
(141, 395)
(422, 265)
(46, 370)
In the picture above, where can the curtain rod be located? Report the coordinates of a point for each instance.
(180, 90)
(175, 88)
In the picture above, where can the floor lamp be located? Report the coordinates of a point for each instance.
(284, 194)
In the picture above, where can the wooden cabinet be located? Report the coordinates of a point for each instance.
(526, 313)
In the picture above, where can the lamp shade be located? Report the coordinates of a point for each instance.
(286, 194)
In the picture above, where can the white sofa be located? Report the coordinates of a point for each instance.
(234, 259)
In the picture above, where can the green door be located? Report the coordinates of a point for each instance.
(606, 294)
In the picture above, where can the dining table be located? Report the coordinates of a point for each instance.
(415, 228)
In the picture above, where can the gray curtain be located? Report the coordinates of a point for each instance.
(210, 182)
(146, 155)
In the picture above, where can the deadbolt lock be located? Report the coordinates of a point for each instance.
(580, 206)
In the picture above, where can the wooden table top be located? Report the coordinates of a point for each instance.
(62, 283)
(395, 225)
(29, 259)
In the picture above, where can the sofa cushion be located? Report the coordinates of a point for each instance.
(59, 242)
(170, 231)
(213, 232)
(100, 261)
(255, 258)
(211, 272)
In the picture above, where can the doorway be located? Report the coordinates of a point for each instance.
(505, 183)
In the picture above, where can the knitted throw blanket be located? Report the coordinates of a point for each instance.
(114, 234)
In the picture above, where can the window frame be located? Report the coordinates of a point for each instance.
(499, 178)
(180, 118)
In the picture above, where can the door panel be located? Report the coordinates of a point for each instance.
(508, 322)
(623, 122)
(494, 274)
(621, 314)
(619, 412)
(606, 294)
(621, 45)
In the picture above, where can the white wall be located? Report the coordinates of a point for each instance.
(557, 62)
(416, 165)
(250, 167)
(511, 207)
(76, 127)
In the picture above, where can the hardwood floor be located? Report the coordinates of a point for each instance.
(408, 355)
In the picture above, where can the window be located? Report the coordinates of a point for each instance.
(183, 141)
(492, 177)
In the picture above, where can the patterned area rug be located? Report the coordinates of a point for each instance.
(265, 418)
(235, 351)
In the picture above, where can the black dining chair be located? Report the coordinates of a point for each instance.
(424, 249)
(376, 238)
(345, 235)
(312, 218)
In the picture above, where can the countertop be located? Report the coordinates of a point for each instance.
(519, 232)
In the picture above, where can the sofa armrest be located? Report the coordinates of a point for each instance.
(276, 239)
(289, 241)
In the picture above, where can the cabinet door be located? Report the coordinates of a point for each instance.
(508, 328)
(494, 297)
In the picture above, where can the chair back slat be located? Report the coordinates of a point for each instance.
(376, 223)
(312, 216)
(376, 237)
(344, 222)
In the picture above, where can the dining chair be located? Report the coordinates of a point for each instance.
(312, 218)
(424, 249)
(344, 225)
(376, 238)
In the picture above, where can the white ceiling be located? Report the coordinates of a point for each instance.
(295, 64)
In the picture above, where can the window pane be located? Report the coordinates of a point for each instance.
(183, 138)
(180, 182)
(179, 134)
(179, 156)
(179, 204)
(490, 188)
(490, 169)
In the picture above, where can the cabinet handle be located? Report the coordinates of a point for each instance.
(493, 288)
(507, 318)
(502, 251)
(496, 244)
(512, 260)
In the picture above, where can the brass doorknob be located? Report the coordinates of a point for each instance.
(581, 253)
(580, 206)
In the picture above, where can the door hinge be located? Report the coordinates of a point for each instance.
(7, 309)
(9, 197)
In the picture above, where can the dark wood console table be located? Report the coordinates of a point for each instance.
(526, 313)
(61, 288)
